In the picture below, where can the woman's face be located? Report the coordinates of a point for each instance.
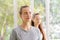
(26, 14)
(37, 19)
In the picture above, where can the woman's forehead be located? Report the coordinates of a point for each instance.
(26, 9)
(37, 16)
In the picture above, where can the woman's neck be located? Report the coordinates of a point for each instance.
(36, 25)
(26, 26)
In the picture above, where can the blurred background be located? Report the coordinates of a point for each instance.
(48, 9)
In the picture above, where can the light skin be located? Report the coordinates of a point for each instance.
(37, 20)
(26, 18)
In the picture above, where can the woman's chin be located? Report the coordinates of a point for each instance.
(27, 21)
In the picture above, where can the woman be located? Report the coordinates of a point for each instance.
(36, 21)
(25, 31)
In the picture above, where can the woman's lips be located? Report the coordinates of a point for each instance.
(27, 18)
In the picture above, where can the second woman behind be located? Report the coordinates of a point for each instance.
(36, 22)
